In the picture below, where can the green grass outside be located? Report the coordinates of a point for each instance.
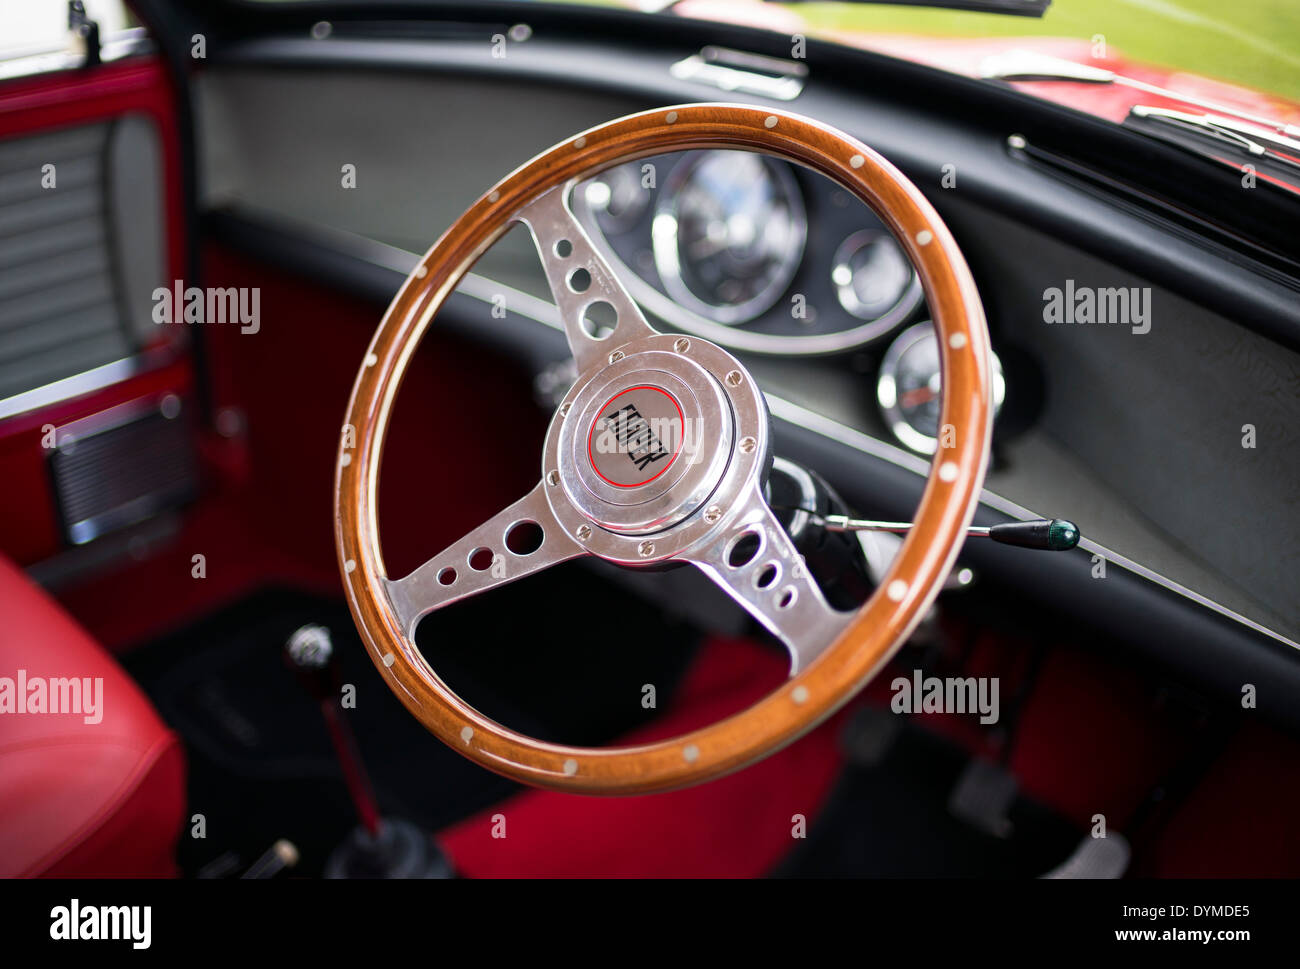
(1251, 42)
(1255, 43)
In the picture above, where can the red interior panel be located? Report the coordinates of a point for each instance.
(63, 99)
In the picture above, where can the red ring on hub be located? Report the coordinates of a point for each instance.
(681, 437)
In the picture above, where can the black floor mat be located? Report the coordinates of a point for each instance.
(260, 763)
(891, 819)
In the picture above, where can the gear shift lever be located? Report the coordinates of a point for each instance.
(379, 847)
(311, 654)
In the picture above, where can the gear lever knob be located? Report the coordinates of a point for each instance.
(310, 647)
(309, 652)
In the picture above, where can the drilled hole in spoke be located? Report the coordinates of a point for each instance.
(767, 576)
(599, 320)
(480, 560)
(564, 248)
(580, 280)
(788, 595)
(744, 549)
(524, 538)
(446, 576)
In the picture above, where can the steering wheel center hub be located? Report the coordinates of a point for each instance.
(644, 442)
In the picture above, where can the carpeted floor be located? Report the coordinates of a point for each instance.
(261, 767)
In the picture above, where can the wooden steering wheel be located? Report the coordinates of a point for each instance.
(658, 454)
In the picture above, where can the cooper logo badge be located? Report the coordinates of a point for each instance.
(636, 436)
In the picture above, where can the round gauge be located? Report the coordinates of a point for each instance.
(874, 279)
(617, 197)
(910, 385)
(728, 234)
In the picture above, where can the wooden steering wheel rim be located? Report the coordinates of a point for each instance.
(873, 633)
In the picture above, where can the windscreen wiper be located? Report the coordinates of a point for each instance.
(1259, 143)
(1263, 146)
(1028, 65)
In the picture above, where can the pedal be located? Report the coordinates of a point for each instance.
(281, 855)
(983, 796)
(225, 864)
(1106, 857)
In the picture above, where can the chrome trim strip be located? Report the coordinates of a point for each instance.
(733, 70)
(68, 435)
(341, 241)
(482, 288)
(83, 383)
(402, 261)
(533, 307)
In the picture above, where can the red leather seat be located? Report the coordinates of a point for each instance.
(77, 798)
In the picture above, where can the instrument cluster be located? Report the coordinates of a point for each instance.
(720, 244)
(759, 255)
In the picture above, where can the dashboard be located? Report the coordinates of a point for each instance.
(1101, 425)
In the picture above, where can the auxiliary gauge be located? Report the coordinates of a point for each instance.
(910, 384)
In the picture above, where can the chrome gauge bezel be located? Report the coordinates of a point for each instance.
(887, 388)
(664, 241)
(606, 220)
(907, 303)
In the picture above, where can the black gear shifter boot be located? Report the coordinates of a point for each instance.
(398, 850)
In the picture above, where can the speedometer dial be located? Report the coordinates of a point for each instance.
(728, 234)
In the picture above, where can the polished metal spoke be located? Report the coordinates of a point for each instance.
(753, 559)
(485, 559)
(581, 281)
